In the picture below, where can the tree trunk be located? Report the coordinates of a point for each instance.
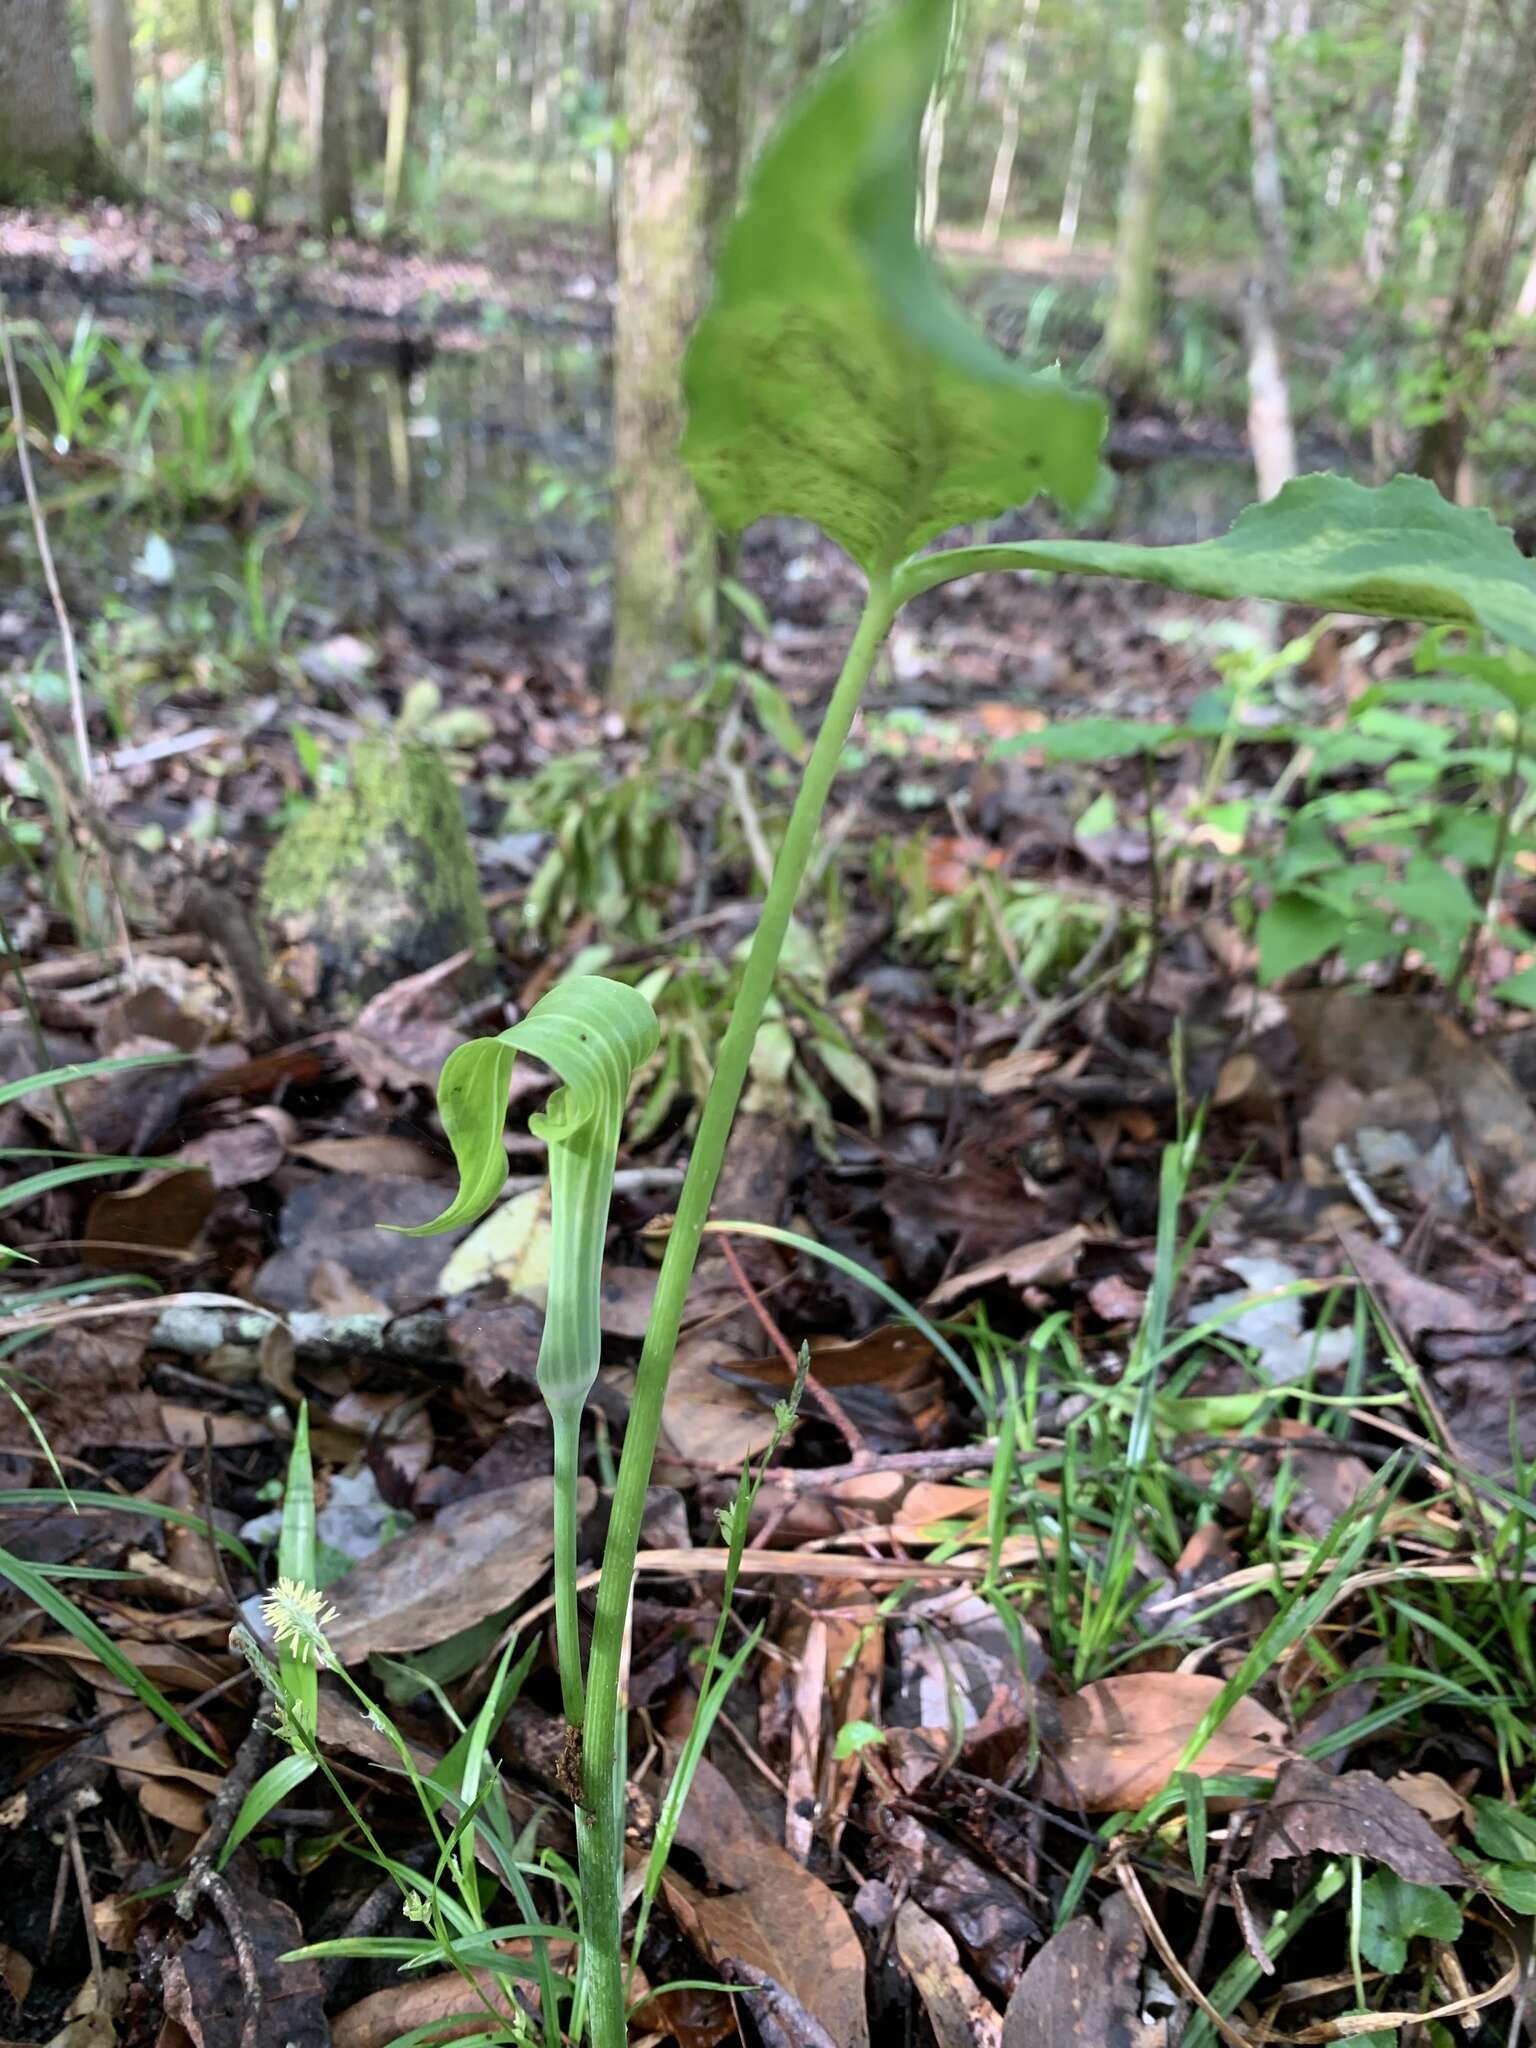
(287, 21)
(369, 121)
(1380, 251)
(1128, 331)
(1482, 281)
(1008, 141)
(682, 91)
(237, 110)
(111, 72)
(1442, 163)
(404, 93)
(1078, 164)
(44, 148)
(1270, 432)
(336, 106)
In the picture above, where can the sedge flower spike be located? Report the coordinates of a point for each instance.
(297, 1616)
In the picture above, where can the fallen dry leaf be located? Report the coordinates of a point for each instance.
(1122, 1738)
(1046, 1262)
(445, 2003)
(201, 1981)
(162, 1212)
(396, 1158)
(770, 1917)
(1351, 1815)
(84, 1385)
(474, 1559)
(986, 1913)
(140, 1749)
(1428, 1793)
(959, 2014)
(709, 1420)
(1083, 1989)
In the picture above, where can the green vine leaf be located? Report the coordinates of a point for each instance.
(833, 378)
(1396, 550)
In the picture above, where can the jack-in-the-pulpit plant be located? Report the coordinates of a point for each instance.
(595, 1034)
(834, 379)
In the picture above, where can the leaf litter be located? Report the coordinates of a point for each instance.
(964, 1719)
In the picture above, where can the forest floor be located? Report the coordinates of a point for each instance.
(1210, 1718)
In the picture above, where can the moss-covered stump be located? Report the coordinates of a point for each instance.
(376, 881)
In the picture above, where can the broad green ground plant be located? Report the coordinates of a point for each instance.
(833, 379)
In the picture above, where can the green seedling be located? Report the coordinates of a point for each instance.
(833, 379)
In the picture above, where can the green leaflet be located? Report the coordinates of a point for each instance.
(594, 1033)
(833, 378)
(1398, 550)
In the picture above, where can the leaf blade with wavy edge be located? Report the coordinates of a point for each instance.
(1395, 550)
(833, 377)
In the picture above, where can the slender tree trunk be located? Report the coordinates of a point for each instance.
(404, 112)
(44, 148)
(682, 95)
(369, 120)
(934, 124)
(1442, 163)
(336, 107)
(263, 64)
(286, 23)
(1483, 279)
(1008, 140)
(1380, 251)
(111, 72)
(1270, 432)
(237, 110)
(1132, 314)
(1525, 304)
(1078, 165)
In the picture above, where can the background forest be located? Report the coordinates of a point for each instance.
(1006, 1372)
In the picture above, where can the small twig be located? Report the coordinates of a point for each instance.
(249, 1760)
(211, 1530)
(45, 555)
(204, 1882)
(834, 1410)
(1154, 871)
(1131, 1885)
(83, 1884)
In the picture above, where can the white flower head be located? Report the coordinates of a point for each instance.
(297, 1616)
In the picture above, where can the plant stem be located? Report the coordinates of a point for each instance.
(600, 1818)
(566, 1419)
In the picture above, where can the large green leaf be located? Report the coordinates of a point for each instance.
(1398, 550)
(833, 378)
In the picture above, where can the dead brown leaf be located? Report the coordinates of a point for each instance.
(162, 1212)
(1351, 1815)
(984, 1912)
(1122, 1738)
(202, 1981)
(960, 2015)
(146, 1763)
(1046, 1262)
(1417, 1305)
(239, 1154)
(1083, 1989)
(709, 1420)
(397, 1158)
(474, 1559)
(84, 1384)
(1428, 1793)
(770, 1917)
(445, 2003)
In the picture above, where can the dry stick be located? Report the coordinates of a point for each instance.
(83, 1884)
(1130, 1884)
(45, 554)
(835, 1412)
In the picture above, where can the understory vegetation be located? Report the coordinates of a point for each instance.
(767, 1146)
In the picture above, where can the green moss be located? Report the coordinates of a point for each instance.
(378, 876)
(83, 173)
